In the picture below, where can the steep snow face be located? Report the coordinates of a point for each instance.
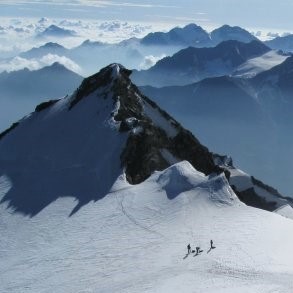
(135, 238)
(57, 152)
(259, 64)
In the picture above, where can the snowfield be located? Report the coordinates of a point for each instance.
(134, 240)
(256, 65)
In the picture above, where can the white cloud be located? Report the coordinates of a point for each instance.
(90, 3)
(285, 34)
(272, 35)
(150, 60)
(124, 28)
(18, 63)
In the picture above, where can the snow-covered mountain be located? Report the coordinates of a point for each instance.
(194, 64)
(138, 136)
(107, 105)
(226, 33)
(92, 155)
(256, 65)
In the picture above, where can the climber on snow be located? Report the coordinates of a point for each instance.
(188, 249)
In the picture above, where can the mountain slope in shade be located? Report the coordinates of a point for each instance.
(50, 81)
(194, 64)
(226, 32)
(138, 137)
(274, 90)
(21, 90)
(105, 126)
(253, 129)
(281, 43)
(48, 48)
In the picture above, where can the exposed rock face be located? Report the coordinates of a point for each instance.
(250, 190)
(152, 133)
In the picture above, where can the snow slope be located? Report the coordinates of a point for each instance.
(70, 221)
(134, 240)
(259, 64)
(285, 211)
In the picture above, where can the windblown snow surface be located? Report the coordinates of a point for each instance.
(259, 64)
(134, 240)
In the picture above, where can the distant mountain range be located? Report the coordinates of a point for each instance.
(190, 35)
(134, 52)
(248, 118)
(193, 35)
(194, 64)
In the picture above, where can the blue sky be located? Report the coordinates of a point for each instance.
(267, 14)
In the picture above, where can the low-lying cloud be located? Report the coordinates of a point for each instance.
(150, 60)
(18, 63)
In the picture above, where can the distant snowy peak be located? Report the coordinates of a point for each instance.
(56, 31)
(190, 35)
(226, 32)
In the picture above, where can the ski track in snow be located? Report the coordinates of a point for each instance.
(134, 240)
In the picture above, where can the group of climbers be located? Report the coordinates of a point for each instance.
(197, 250)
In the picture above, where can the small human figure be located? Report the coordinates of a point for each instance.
(212, 245)
(198, 250)
(188, 248)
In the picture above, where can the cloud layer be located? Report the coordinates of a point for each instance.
(18, 63)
